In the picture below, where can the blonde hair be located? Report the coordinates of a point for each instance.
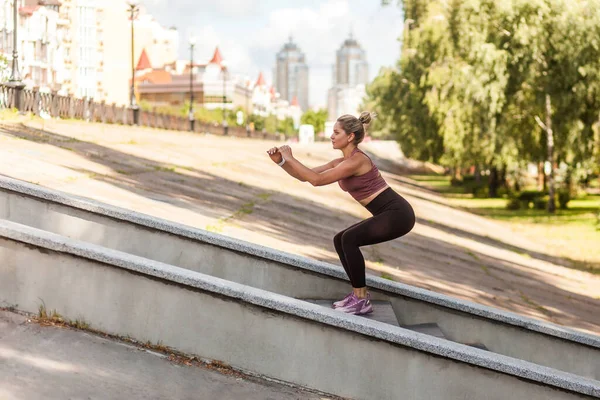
(350, 124)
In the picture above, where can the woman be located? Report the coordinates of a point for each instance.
(356, 174)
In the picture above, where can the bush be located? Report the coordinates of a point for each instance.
(564, 196)
(513, 204)
(530, 195)
(541, 203)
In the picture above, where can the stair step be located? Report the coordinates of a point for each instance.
(382, 310)
(429, 329)
(477, 345)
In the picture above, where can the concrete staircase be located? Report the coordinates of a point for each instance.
(205, 294)
(383, 311)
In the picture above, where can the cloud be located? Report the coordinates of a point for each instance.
(320, 31)
(251, 32)
(232, 8)
(232, 50)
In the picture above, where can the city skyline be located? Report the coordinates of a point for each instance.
(317, 27)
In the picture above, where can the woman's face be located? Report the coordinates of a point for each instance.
(339, 138)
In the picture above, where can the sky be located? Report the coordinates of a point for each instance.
(249, 33)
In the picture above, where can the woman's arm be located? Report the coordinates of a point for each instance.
(288, 168)
(343, 170)
(329, 165)
(277, 158)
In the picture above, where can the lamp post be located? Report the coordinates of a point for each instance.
(5, 27)
(224, 71)
(191, 115)
(15, 77)
(133, 9)
(248, 109)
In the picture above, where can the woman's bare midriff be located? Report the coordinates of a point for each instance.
(369, 199)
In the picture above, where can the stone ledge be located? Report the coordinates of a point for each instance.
(301, 309)
(255, 250)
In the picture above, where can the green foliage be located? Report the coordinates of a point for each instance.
(258, 121)
(541, 203)
(470, 87)
(201, 114)
(513, 204)
(4, 69)
(564, 197)
(271, 123)
(286, 126)
(316, 119)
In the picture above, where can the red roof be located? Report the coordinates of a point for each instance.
(217, 58)
(156, 77)
(42, 3)
(295, 101)
(261, 80)
(144, 62)
(28, 10)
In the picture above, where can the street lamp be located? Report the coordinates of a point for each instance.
(134, 7)
(191, 116)
(15, 77)
(247, 109)
(224, 71)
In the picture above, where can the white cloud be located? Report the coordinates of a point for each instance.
(251, 32)
(221, 7)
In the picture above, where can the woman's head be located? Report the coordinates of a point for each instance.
(352, 128)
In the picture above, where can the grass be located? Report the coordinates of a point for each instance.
(573, 233)
(441, 184)
(7, 115)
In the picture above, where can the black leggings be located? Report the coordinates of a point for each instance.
(392, 217)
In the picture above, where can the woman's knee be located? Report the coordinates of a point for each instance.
(337, 240)
(348, 239)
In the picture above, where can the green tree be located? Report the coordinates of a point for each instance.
(315, 118)
(271, 123)
(258, 121)
(4, 69)
(286, 126)
(496, 85)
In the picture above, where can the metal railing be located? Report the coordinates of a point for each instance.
(67, 107)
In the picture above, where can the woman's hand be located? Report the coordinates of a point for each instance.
(286, 151)
(275, 155)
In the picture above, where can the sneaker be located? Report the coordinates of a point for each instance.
(358, 306)
(344, 302)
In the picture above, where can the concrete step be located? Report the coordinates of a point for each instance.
(429, 329)
(382, 310)
(256, 331)
(296, 277)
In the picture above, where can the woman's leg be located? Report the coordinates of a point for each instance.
(388, 225)
(337, 243)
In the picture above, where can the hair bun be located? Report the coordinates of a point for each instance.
(365, 118)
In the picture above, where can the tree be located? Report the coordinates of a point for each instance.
(496, 85)
(315, 118)
(4, 69)
(286, 126)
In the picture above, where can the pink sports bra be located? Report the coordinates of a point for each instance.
(362, 186)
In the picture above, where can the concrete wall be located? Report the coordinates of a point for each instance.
(463, 322)
(251, 329)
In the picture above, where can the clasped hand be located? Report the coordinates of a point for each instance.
(277, 154)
